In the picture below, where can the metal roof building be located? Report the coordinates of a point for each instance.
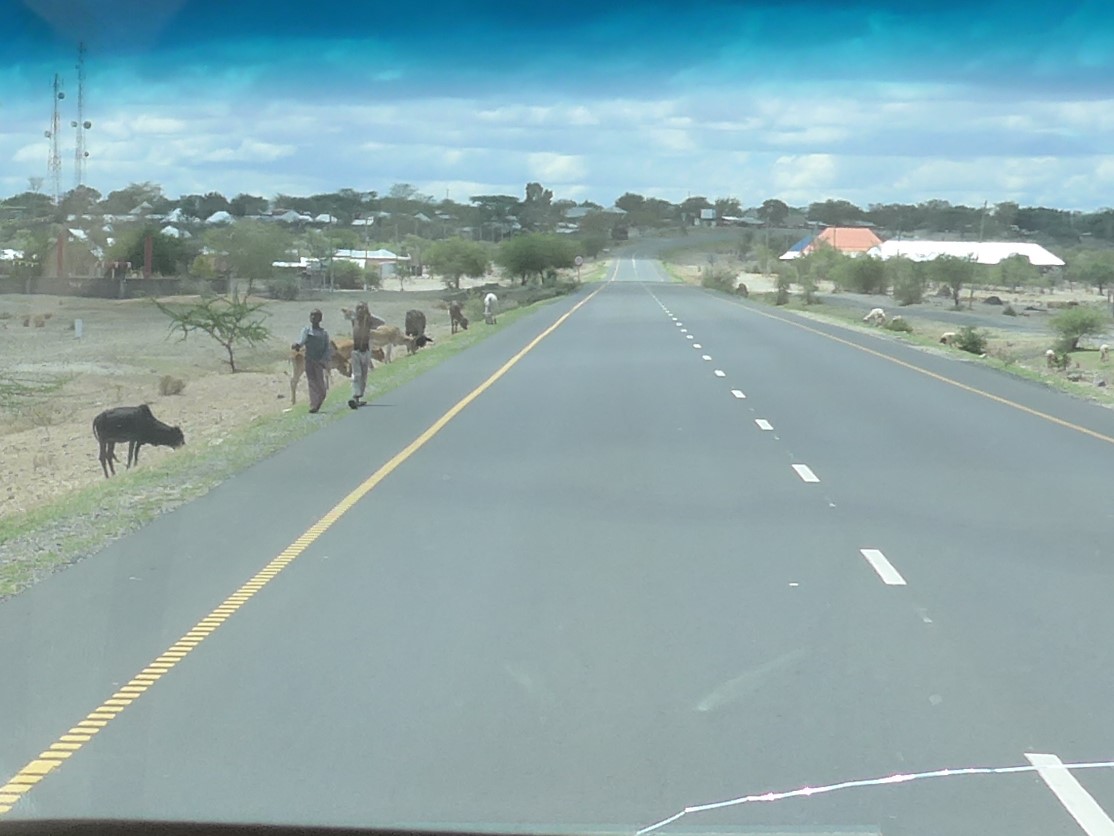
(981, 252)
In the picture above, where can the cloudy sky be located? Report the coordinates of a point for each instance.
(869, 102)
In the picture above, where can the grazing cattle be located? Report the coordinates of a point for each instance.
(877, 316)
(298, 361)
(386, 337)
(490, 301)
(415, 323)
(948, 337)
(135, 425)
(457, 317)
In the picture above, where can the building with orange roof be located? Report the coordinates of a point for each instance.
(850, 240)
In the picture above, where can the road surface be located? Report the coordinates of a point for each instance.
(684, 549)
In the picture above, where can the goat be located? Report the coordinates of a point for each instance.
(1104, 352)
(490, 301)
(457, 317)
(298, 361)
(877, 316)
(135, 425)
(350, 315)
(386, 337)
(415, 323)
(1050, 358)
(948, 337)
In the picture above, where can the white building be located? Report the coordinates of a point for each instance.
(981, 252)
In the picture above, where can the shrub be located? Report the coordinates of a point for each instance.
(348, 275)
(970, 340)
(898, 324)
(1009, 311)
(171, 385)
(286, 290)
(718, 278)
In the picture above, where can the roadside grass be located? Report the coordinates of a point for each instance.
(1021, 356)
(86, 520)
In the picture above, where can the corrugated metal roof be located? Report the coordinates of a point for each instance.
(985, 252)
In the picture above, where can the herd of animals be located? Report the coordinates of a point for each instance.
(137, 425)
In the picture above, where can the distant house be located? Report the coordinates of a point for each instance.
(384, 260)
(849, 240)
(325, 218)
(981, 252)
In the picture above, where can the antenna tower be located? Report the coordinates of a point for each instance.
(54, 162)
(81, 124)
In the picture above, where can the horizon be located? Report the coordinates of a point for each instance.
(802, 102)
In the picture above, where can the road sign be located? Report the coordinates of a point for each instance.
(578, 260)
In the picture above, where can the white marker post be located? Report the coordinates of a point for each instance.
(78, 328)
(578, 261)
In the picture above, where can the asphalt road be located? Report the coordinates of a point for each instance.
(686, 549)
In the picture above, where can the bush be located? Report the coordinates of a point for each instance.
(907, 278)
(1075, 323)
(1009, 311)
(718, 278)
(171, 385)
(347, 275)
(286, 290)
(899, 324)
(970, 340)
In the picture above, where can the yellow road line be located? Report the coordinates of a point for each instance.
(965, 387)
(67, 744)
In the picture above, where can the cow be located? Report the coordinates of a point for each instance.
(415, 323)
(457, 317)
(135, 425)
(386, 337)
(298, 361)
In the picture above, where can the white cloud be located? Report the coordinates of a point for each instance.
(556, 168)
(249, 150)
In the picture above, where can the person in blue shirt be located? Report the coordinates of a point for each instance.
(318, 347)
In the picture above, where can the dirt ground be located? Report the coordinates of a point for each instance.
(52, 383)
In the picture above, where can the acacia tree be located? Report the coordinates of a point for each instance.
(230, 320)
(953, 273)
(533, 255)
(455, 257)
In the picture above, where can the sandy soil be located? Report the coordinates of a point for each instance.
(52, 384)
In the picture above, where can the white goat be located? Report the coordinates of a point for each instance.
(1050, 358)
(948, 337)
(1104, 352)
(877, 316)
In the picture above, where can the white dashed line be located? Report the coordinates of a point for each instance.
(707, 357)
(684, 330)
(763, 424)
(720, 373)
(689, 337)
(805, 472)
(738, 393)
(1076, 800)
(883, 567)
(697, 345)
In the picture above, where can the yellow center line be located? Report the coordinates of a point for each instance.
(20, 783)
(942, 378)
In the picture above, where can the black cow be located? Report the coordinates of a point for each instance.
(135, 425)
(415, 323)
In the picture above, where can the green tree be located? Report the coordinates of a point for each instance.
(247, 204)
(534, 212)
(1093, 268)
(952, 272)
(774, 212)
(124, 200)
(80, 200)
(1016, 271)
(169, 256)
(862, 275)
(534, 254)
(452, 258)
(835, 213)
(250, 247)
(1072, 324)
(728, 207)
(907, 278)
(230, 320)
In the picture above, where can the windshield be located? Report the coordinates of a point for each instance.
(557, 418)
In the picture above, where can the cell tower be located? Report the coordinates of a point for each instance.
(54, 162)
(81, 124)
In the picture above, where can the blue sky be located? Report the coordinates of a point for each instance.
(870, 102)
